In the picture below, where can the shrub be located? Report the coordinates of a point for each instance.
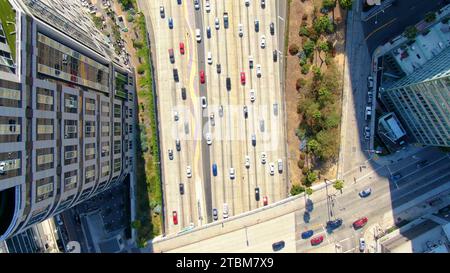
(293, 49)
(346, 4)
(305, 170)
(305, 68)
(141, 69)
(304, 31)
(410, 32)
(297, 189)
(302, 156)
(430, 17)
(130, 18)
(300, 83)
(308, 48)
(301, 164)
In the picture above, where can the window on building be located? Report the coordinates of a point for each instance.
(117, 164)
(70, 103)
(44, 159)
(70, 154)
(44, 129)
(105, 148)
(89, 129)
(117, 129)
(70, 180)
(105, 109)
(105, 169)
(10, 164)
(89, 173)
(10, 129)
(44, 188)
(90, 106)
(117, 110)
(105, 129)
(70, 129)
(45, 99)
(10, 95)
(90, 151)
(117, 144)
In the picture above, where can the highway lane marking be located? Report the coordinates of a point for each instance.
(373, 32)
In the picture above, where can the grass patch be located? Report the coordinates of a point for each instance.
(7, 14)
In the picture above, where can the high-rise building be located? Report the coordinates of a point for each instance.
(421, 100)
(66, 111)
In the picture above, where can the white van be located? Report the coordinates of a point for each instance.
(198, 36)
(225, 210)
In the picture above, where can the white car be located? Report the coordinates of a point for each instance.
(175, 116)
(203, 101)
(240, 30)
(250, 61)
(263, 42)
(2, 167)
(247, 161)
(263, 158)
(225, 211)
(196, 4)
(161, 11)
(208, 138)
(362, 244)
(258, 70)
(272, 169)
(370, 82)
(198, 35)
(209, 57)
(216, 23)
(207, 6)
(280, 165)
(188, 172)
(252, 95)
(232, 173)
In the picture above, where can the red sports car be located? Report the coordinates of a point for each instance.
(175, 217)
(360, 223)
(265, 201)
(242, 77)
(202, 76)
(317, 240)
(182, 48)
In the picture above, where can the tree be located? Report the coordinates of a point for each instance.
(309, 191)
(301, 164)
(310, 178)
(339, 185)
(346, 4)
(323, 46)
(324, 96)
(411, 32)
(323, 25)
(308, 48)
(313, 145)
(293, 49)
(328, 143)
(430, 17)
(300, 83)
(329, 4)
(297, 189)
(304, 31)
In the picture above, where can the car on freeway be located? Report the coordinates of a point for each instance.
(212, 120)
(360, 223)
(221, 111)
(240, 30)
(232, 173)
(247, 3)
(275, 109)
(253, 139)
(396, 176)
(202, 76)
(175, 217)
(59, 220)
(209, 57)
(179, 2)
(245, 111)
(203, 102)
(278, 246)
(215, 214)
(225, 211)
(247, 161)
(228, 83)
(369, 97)
(250, 61)
(252, 95)
(208, 138)
(422, 163)
(182, 48)
(208, 32)
(333, 224)
(263, 4)
(307, 234)
(265, 201)
(186, 127)
(362, 244)
(275, 55)
(216, 23)
(207, 6)
(368, 112)
(175, 75)
(280, 165)
(214, 169)
(271, 168)
(366, 133)
(196, 4)
(263, 158)
(256, 25)
(445, 211)
(263, 42)
(175, 116)
(257, 193)
(170, 22)
(218, 68)
(183, 93)
(170, 151)
(316, 240)
(258, 70)
(370, 82)
(161, 12)
(171, 57)
(272, 28)
(261, 125)
(181, 188)
(198, 35)
(366, 192)
(177, 144)
(242, 77)
(188, 172)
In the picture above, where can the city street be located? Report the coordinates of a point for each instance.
(230, 129)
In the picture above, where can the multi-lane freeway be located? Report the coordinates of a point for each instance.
(218, 162)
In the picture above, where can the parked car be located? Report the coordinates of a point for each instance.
(204, 102)
(216, 23)
(212, 120)
(362, 244)
(252, 95)
(307, 234)
(196, 4)
(271, 168)
(396, 176)
(59, 220)
(360, 223)
(333, 224)
(263, 158)
(183, 93)
(316, 240)
(256, 25)
(240, 30)
(207, 6)
(370, 82)
(422, 163)
(209, 57)
(365, 192)
(265, 201)
(161, 12)
(367, 132)
(218, 68)
(272, 28)
(228, 83)
(247, 161)
(225, 211)
(257, 193)
(278, 246)
(247, 3)
(275, 55)
(208, 138)
(280, 165)
(198, 35)
(232, 173)
(2, 167)
(170, 151)
(258, 70)
(215, 214)
(188, 172)
(208, 32)
(175, 217)
(250, 61)
(178, 144)
(253, 139)
(245, 111)
(263, 4)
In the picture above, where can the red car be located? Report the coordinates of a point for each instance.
(242, 77)
(265, 201)
(317, 240)
(175, 217)
(202, 76)
(360, 223)
(182, 48)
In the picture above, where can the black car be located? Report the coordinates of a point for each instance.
(256, 25)
(175, 75)
(396, 176)
(208, 32)
(278, 246)
(245, 111)
(219, 69)
(183, 93)
(257, 194)
(272, 28)
(275, 55)
(263, 3)
(177, 144)
(181, 188)
(422, 163)
(333, 224)
(228, 83)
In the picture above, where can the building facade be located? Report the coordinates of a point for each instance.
(66, 112)
(421, 100)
